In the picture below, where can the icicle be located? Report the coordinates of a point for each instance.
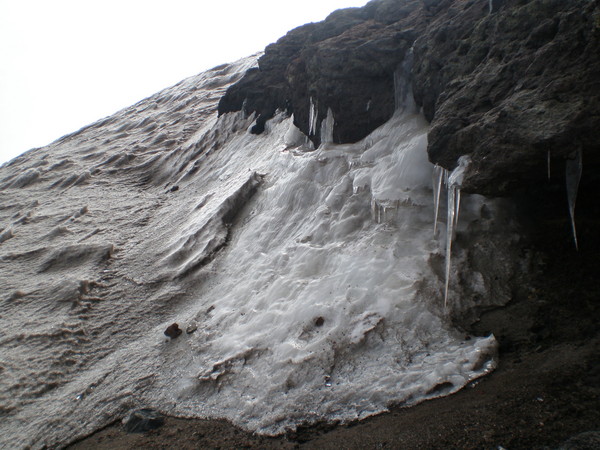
(449, 234)
(327, 128)
(573, 169)
(312, 118)
(494, 5)
(548, 165)
(453, 183)
(403, 84)
(438, 176)
(457, 206)
(380, 212)
(374, 209)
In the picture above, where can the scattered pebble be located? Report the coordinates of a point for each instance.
(173, 331)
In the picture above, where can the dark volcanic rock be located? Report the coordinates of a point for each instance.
(345, 63)
(506, 84)
(173, 331)
(509, 87)
(353, 74)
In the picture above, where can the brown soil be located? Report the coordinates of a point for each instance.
(545, 390)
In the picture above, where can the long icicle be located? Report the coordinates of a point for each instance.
(457, 206)
(438, 176)
(573, 169)
(312, 118)
(453, 183)
(449, 233)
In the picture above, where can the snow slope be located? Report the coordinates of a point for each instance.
(309, 282)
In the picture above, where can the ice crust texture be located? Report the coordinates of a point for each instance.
(309, 279)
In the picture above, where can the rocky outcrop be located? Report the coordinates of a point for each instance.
(506, 81)
(508, 86)
(345, 63)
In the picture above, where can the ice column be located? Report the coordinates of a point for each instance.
(573, 171)
(403, 95)
(457, 206)
(439, 173)
(453, 185)
(449, 233)
(327, 128)
(312, 118)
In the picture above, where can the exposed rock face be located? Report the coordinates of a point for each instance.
(345, 63)
(504, 81)
(509, 86)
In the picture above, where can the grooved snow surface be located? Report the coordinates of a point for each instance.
(310, 278)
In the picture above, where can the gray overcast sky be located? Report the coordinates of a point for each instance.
(67, 63)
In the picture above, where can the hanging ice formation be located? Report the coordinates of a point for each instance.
(405, 101)
(573, 169)
(312, 118)
(403, 96)
(439, 174)
(493, 5)
(383, 212)
(452, 181)
(327, 128)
